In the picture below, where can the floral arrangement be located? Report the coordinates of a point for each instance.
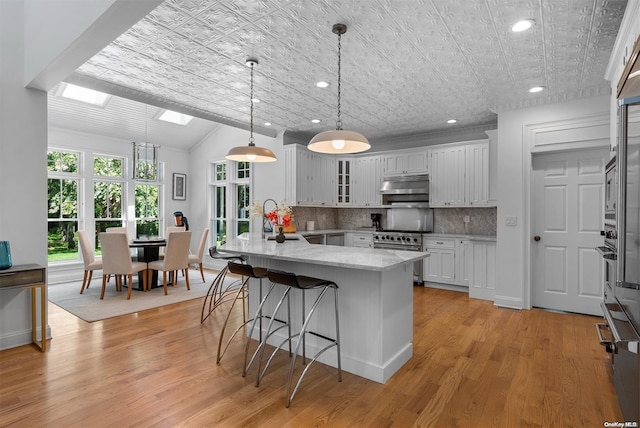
(280, 214)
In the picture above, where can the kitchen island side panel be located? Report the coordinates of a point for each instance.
(375, 310)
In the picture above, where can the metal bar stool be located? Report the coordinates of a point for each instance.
(303, 283)
(218, 293)
(247, 272)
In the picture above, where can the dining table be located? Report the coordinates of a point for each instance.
(148, 251)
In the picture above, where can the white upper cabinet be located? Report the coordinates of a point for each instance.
(344, 179)
(477, 171)
(367, 181)
(309, 177)
(410, 162)
(447, 177)
(459, 175)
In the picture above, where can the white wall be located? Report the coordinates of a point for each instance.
(23, 146)
(267, 182)
(513, 168)
(23, 130)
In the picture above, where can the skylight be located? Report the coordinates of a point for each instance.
(85, 95)
(175, 117)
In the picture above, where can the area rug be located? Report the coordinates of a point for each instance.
(90, 308)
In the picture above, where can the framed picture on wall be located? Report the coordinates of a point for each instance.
(179, 186)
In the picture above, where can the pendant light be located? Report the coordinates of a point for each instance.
(339, 141)
(251, 153)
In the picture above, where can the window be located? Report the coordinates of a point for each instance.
(231, 199)
(243, 201)
(63, 187)
(147, 210)
(220, 203)
(108, 191)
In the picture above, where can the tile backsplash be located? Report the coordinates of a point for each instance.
(482, 221)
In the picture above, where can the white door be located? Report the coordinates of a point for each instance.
(567, 216)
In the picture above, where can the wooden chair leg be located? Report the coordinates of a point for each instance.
(201, 271)
(130, 286)
(164, 281)
(186, 278)
(89, 280)
(84, 281)
(104, 285)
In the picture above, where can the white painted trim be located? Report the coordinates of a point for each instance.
(626, 32)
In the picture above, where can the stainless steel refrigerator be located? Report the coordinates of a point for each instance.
(624, 314)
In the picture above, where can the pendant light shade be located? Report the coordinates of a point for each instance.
(251, 152)
(339, 141)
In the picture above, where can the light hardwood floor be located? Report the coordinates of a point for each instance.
(474, 365)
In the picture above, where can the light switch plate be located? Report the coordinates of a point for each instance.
(467, 219)
(510, 221)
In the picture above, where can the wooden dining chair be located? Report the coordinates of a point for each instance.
(197, 257)
(176, 258)
(91, 262)
(117, 261)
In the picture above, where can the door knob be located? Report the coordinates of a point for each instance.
(536, 238)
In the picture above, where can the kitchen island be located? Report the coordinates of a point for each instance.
(375, 299)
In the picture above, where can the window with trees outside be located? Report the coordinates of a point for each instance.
(147, 210)
(63, 186)
(108, 192)
(231, 199)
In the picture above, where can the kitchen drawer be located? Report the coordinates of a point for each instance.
(22, 275)
(363, 239)
(439, 243)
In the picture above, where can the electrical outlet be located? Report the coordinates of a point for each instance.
(510, 221)
(467, 219)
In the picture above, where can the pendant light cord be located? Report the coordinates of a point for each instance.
(339, 121)
(251, 139)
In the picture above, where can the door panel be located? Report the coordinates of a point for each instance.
(568, 214)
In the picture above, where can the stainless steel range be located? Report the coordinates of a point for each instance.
(398, 240)
(405, 227)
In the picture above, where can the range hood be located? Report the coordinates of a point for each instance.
(410, 191)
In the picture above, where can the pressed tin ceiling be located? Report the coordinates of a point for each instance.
(407, 65)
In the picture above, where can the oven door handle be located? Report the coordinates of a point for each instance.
(609, 346)
(606, 253)
(618, 341)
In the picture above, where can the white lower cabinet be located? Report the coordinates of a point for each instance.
(440, 266)
(462, 262)
(482, 278)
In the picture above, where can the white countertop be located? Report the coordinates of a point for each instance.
(330, 255)
(490, 238)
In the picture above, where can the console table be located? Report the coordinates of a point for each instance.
(34, 277)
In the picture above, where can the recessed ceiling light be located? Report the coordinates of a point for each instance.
(523, 25)
(536, 89)
(255, 100)
(322, 84)
(452, 121)
(85, 95)
(315, 120)
(175, 117)
(267, 124)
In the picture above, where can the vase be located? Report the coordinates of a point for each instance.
(280, 236)
(5, 255)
